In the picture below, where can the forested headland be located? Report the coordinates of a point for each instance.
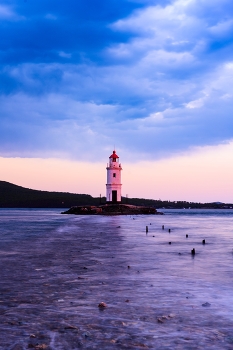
(14, 196)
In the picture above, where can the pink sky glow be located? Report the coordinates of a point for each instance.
(205, 175)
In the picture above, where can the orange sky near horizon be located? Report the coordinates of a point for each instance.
(203, 175)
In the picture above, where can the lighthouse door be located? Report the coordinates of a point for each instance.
(114, 196)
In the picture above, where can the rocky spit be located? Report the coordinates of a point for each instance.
(112, 209)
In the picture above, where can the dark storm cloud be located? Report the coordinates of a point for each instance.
(40, 29)
(151, 76)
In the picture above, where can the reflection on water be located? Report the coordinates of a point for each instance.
(56, 269)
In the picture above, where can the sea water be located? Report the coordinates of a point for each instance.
(56, 269)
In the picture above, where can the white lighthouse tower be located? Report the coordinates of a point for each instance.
(113, 186)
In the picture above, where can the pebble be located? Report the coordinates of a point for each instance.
(70, 327)
(102, 305)
(161, 319)
(38, 347)
(86, 335)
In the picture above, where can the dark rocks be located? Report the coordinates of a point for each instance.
(206, 304)
(84, 210)
(159, 319)
(163, 318)
(112, 209)
(37, 346)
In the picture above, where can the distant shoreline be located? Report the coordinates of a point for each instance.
(13, 196)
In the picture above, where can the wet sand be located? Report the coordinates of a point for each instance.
(52, 282)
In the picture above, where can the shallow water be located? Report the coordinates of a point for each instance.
(56, 269)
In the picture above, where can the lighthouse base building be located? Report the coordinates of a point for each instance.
(113, 186)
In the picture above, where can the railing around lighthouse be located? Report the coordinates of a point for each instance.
(109, 165)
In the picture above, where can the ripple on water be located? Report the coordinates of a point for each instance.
(57, 269)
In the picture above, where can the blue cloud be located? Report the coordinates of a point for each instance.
(151, 76)
(44, 28)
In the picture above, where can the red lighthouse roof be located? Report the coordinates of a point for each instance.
(114, 155)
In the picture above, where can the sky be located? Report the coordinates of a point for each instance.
(151, 78)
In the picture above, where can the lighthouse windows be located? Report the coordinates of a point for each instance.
(114, 174)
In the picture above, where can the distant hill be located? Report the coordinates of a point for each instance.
(158, 204)
(13, 196)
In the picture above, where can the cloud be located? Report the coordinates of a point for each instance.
(50, 16)
(64, 54)
(151, 77)
(57, 124)
(5, 12)
(50, 28)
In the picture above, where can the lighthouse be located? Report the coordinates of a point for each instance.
(113, 186)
